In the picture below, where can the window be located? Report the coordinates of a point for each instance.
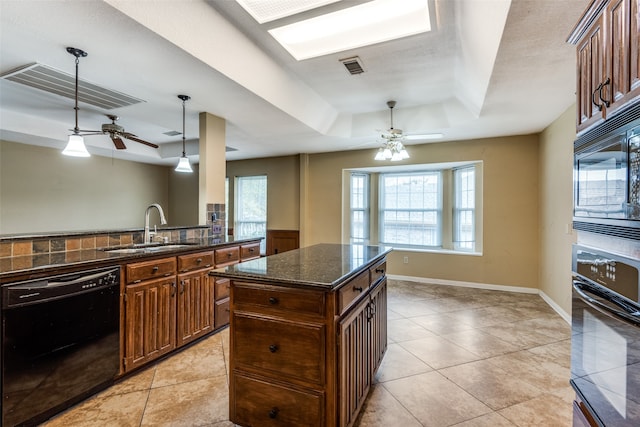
(464, 208)
(411, 209)
(432, 207)
(251, 208)
(359, 208)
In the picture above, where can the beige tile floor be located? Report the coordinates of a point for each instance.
(456, 357)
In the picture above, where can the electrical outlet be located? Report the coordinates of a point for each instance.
(405, 260)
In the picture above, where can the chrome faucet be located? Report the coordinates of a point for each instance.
(163, 220)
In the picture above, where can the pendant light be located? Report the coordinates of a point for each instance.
(183, 164)
(75, 147)
(392, 147)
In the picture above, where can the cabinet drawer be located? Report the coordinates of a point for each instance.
(227, 256)
(350, 293)
(267, 404)
(267, 299)
(278, 348)
(250, 251)
(195, 261)
(221, 317)
(378, 271)
(222, 288)
(150, 269)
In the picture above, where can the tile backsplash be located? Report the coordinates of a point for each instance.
(19, 246)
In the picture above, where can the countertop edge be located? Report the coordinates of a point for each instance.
(280, 281)
(118, 259)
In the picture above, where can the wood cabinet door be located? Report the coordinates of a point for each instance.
(616, 75)
(634, 47)
(590, 73)
(150, 321)
(353, 362)
(195, 303)
(378, 325)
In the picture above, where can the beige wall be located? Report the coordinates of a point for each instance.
(510, 164)
(556, 208)
(283, 188)
(510, 213)
(183, 197)
(44, 191)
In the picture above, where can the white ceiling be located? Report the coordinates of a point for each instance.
(488, 68)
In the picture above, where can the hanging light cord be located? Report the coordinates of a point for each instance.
(76, 130)
(184, 153)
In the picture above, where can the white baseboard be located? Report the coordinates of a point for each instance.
(519, 289)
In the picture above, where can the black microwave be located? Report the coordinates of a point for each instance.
(606, 178)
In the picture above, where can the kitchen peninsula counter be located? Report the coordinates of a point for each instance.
(40, 263)
(308, 331)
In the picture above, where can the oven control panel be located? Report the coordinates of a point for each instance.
(618, 273)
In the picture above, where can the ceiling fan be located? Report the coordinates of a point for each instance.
(115, 131)
(392, 147)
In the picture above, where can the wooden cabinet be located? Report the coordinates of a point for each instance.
(607, 78)
(195, 299)
(249, 251)
(150, 321)
(303, 355)
(363, 342)
(221, 302)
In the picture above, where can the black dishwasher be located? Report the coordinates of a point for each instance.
(59, 342)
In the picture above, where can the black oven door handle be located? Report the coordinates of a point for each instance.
(627, 312)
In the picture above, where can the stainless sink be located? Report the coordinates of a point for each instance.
(145, 249)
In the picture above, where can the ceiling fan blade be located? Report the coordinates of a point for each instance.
(136, 139)
(119, 143)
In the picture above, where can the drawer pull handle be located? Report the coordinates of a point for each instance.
(273, 413)
(252, 249)
(199, 260)
(273, 300)
(273, 348)
(228, 254)
(380, 270)
(155, 268)
(357, 289)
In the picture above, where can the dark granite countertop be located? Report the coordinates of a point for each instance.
(43, 263)
(325, 265)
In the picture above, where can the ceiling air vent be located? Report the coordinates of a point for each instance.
(172, 133)
(228, 149)
(60, 83)
(353, 65)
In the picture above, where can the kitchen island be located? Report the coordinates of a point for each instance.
(308, 332)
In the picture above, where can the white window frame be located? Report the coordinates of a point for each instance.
(464, 205)
(448, 206)
(359, 206)
(415, 210)
(250, 227)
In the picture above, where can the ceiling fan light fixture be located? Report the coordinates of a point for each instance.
(392, 147)
(75, 147)
(183, 164)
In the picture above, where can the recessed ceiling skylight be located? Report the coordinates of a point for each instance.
(267, 11)
(368, 23)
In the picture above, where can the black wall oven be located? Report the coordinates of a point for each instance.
(605, 347)
(607, 178)
(60, 342)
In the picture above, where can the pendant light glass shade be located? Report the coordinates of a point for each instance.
(183, 164)
(75, 147)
